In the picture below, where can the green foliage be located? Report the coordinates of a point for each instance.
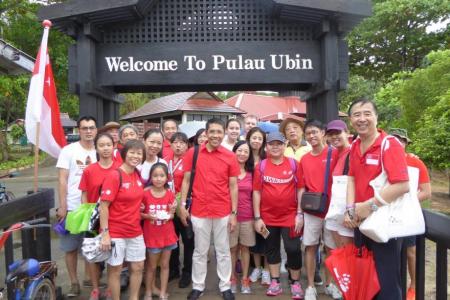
(21, 162)
(395, 37)
(17, 132)
(432, 139)
(358, 87)
(388, 102)
(134, 101)
(425, 87)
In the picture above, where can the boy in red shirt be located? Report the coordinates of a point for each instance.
(275, 208)
(312, 179)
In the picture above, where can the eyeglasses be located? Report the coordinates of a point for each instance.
(91, 128)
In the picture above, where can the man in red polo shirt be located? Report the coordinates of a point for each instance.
(168, 128)
(365, 165)
(214, 207)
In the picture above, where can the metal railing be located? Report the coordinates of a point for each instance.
(438, 231)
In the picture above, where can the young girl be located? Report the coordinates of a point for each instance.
(159, 232)
(90, 184)
(233, 131)
(243, 236)
(153, 141)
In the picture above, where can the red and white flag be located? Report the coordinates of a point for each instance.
(42, 104)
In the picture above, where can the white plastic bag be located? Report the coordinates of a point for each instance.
(338, 200)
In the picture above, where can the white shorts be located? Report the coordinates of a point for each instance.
(314, 229)
(334, 225)
(127, 249)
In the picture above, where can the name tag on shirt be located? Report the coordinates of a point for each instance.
(372, 159)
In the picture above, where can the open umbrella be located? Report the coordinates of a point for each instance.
(353, 269)
(268, 127)
(190, 128)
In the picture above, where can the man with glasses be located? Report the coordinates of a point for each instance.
(72, 161)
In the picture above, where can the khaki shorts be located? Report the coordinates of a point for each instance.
(314, 230)
(127, 249)
(244, 233)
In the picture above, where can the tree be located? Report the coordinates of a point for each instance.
(395, 38)
(358, 87)
(134, 101)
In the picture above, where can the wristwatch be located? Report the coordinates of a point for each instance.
(234, 212)
(257, 218)
(373, 206)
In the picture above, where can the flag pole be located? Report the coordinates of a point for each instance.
(42, 62)
(36, 157)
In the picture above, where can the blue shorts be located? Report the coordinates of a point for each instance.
(70, 242)
(409, 241)
(159, 250)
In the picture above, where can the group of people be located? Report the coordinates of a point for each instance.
(240, 187)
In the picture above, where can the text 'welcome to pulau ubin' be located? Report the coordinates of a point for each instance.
(216, 63)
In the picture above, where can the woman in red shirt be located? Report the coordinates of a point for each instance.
(121, 198)
(90, 185)
(159, 232)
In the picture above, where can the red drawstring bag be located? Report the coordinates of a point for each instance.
(354, 272)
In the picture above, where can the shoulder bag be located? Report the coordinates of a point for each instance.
(338, 201)
(189, 229)
(317, 202)
(402, 217)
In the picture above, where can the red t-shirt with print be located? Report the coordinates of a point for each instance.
(124, 210)
(312, 174)
(92, 180)
(367, 166)
(158, 234)
(211, 188)
(167, 149)
(278, 204)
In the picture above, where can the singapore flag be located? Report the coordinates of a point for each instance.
(42, 104)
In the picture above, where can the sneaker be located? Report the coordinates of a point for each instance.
(317, 279)
(185, 280)
(107, 295)
(274, 288)
(233, 285)
(332, 291)
(74, 290)
(265, 278)
(310, 293)
(411, 294)
(194, 295)
(297, 291)
(95, 294)
(256, 274)
(245, 286)
(227, 295)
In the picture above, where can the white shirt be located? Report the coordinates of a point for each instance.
(75, 158)
(144, 168)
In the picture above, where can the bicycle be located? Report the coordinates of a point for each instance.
(5, 195)
(31, 279)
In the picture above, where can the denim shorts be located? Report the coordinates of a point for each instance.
(159, 250)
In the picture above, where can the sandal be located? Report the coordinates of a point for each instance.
(165, 297)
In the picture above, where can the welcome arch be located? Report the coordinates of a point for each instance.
(210, 45)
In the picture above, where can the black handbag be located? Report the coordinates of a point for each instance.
(188, 229)
(317, 202)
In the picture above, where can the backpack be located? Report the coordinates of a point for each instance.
(292, 162)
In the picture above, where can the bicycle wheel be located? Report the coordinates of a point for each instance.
(10, 196)
(45, 290)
